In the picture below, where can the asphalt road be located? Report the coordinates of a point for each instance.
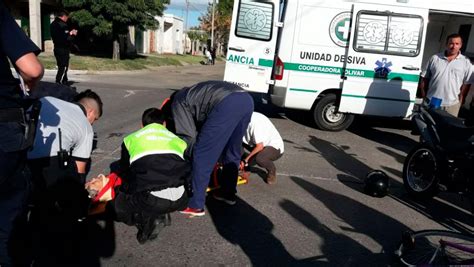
(316, 213)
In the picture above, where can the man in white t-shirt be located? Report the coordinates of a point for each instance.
(265, 144)
(446, 76)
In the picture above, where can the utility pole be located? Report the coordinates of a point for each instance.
(212, 27)
(187, 12)
(186, 28)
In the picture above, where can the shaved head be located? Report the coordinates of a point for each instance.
(91, 103)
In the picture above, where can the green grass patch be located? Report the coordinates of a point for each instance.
(102, 64)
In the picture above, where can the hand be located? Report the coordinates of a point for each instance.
(243, 164)
(73, 32)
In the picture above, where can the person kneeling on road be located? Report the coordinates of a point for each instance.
(264, 143)
(153, 172)
(63, 142)
(58, 162)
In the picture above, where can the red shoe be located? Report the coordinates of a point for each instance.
(193, 212)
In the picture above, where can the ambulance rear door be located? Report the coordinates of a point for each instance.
(383, 60)
(252, 42)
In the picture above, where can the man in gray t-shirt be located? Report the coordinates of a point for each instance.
(69, 124)
(59, 171)
(446, 75)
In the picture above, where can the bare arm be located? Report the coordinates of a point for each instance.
(30, 69)
(464, 91)
(422, 87)
(81, 166)
(259, 147)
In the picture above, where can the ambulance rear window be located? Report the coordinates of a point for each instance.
(254, 20)
(388, 33)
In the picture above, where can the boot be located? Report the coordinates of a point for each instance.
(161, 222)
(271, 178)
(145, 229)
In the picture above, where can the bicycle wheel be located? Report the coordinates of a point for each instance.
(424, 248)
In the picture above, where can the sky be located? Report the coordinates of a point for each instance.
(196, 9)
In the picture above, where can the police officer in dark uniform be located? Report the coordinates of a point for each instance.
(21, 51)
(62, 37)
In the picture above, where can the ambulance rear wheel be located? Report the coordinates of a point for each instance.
(326, 116)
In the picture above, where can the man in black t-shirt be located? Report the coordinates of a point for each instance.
(17, 48)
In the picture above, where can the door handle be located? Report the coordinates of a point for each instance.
(238, 49)
(410, 68)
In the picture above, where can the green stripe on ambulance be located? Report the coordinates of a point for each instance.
(245, 60)
(348, 72)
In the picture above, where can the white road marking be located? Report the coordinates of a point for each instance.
(306, 176)
(129, 93)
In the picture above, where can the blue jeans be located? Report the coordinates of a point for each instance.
(221, 135)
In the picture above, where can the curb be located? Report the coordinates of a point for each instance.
(75, 72)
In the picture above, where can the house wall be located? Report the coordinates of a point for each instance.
(168, 38)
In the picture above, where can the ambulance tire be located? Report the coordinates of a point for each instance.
(326, 118)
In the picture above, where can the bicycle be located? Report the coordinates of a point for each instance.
(436, 247)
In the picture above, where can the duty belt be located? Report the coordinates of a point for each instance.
(12, 115)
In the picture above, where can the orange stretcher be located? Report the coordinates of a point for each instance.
(215, 177)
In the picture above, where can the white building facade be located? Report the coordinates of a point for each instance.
(169, 38)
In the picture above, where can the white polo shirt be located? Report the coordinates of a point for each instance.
(446, 78)
(262, 130)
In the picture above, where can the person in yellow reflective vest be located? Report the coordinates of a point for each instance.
(154, 172)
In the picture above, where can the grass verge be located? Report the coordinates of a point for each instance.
(103, 64)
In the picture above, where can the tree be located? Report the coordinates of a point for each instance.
(196, 34)
(222, 20)
(113, 17)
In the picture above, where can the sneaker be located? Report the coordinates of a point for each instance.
(229, 200)
(193, 212)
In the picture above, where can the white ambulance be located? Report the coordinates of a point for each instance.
(338, 58)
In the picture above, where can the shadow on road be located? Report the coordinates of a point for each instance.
(382, 122)
(339, 158)
(448, 210)
(393, 140)
(356, 219)
(59, 243)
(246, 227)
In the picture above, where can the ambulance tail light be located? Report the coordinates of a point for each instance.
(279, 69)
